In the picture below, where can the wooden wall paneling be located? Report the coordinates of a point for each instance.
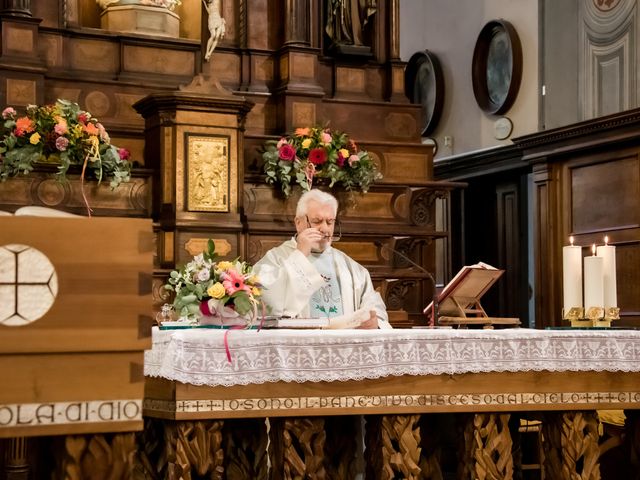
(587, 183)
(513, 254)
(605, 200)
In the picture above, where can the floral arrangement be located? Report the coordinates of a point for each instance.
(204, 288)
(318, 152)
(61, 134)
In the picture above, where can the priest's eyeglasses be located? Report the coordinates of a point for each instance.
(331, 222)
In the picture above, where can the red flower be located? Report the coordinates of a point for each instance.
(287, 153)
(204, 308)
(318, 156)
(340, 160)
(124, 154)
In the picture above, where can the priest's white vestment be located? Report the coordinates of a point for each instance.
(290, 279)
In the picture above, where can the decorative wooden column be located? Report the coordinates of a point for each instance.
(571, 445)
(194, 139)
(20, 66)
(393, 447)
(17, 464)
(487, 447)
(297, 447)
(16, 7)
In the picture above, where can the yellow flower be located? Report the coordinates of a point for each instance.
(254, 279)
(344, 152)
(34, 139)
(216, 290)
(306, 143)
(256, 292)
(222, 266)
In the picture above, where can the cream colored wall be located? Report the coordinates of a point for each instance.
(450, 30)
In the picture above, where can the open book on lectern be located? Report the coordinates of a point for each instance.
(461, 296)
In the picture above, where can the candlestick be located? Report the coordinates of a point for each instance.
(608, 254)
(571, 276)
(593, 281)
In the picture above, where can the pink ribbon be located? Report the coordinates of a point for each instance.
(310, 171)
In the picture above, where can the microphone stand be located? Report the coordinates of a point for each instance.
(434, 308)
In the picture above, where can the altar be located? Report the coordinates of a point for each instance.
(303, 380)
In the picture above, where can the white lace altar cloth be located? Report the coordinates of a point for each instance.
(198, 356)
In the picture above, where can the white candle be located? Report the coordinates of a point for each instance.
(572, 276)
(608, 254)
(593, 281)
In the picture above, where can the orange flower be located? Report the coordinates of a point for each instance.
(24, 125)
(91, 129)
(302, 132)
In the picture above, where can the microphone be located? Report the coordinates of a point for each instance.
(434, 308)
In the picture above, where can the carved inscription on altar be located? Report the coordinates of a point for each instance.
(426, 401)
(207, 170)
(58, 413)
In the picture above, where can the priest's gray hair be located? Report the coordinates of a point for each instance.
(319, 196)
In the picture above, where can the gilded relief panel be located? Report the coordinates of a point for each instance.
(207, 173)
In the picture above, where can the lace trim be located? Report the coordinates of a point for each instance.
(198, 357)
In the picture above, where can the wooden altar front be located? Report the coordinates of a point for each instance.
(312, 429)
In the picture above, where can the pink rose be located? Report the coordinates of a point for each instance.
(353, 159)
(281, 142)
(326, 138)
(287, 153)
(61, 128)
(62, 143)
(8, 112)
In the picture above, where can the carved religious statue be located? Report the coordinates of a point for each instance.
(216, 26)
(347, 19)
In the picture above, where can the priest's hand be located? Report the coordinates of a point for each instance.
(371, 322)
(310, 239)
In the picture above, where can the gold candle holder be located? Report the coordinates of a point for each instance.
(592, 317)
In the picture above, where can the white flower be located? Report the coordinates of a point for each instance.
(204, 275)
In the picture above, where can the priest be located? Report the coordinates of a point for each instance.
(306, 277)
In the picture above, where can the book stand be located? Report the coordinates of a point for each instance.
(460, 299)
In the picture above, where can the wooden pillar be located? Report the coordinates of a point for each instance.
(487, 447)
(392, 447)
(546, 247)
(17, 464)
(296, 23)
(16, 7)
(297, 447)
(571, 445)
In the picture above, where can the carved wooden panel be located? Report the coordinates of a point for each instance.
(605, 195)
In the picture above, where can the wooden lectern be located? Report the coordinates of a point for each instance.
(75, 319)
(459, 301)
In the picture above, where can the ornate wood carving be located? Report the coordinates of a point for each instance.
(423, 206)
(393, 447)
(297, 447)
(571, 445)
(487, 447)
(396, 292)
(95, 456)
(189, 450)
